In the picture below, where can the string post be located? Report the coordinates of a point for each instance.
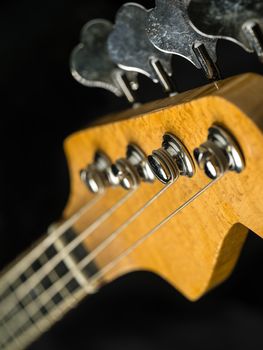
(254, 34)
(208, 65)
(133, 169)
(171, 161)
(95, 175)
(219, 154)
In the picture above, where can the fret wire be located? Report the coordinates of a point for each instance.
(27, 339)
(9, 333)
(44, 297)
(26, 261)
(34, 280)
(71, 265)
(32, 306)
(10, 315)
(48, 307)
(54, 278)
(115, 261)
(33, 310)
(48, 294)
(22, 308)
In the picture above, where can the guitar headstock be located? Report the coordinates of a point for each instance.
(197, 248)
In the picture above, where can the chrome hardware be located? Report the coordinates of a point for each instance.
(138, 160)
(219, 154)
(130, 48)
(92, 66)
(254, 33)
(238, 21)
(131, 171)
(126, 174)
(169, 29)
(171, 161)
(95, 176)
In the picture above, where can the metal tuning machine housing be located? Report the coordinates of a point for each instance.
(171, 161)
(133, 169)
(238, 21)
(219, 154)
(92, 66)
(169, 29)
(95, 176)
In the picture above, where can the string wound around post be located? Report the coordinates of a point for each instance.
(219, 154)
(95, 175)
(171, 160)
(133, 169)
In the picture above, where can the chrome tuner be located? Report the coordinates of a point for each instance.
(171, 161)
(133, 169)
(95, 175)
(219, 154)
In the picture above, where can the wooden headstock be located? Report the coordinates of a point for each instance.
(199, 247)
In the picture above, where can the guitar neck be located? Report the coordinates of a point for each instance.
(35, 295)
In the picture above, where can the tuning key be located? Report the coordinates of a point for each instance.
(171, 161)
(91, 65)
(94, 176)
(219, 154)
(133, 169)
(238, 21)
(169, 29)
(130, 48)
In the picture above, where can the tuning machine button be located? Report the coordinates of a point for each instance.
(130, 48)
(237, 21)
(219, 154)
(92, 66)
(169, 29)
(171, 161)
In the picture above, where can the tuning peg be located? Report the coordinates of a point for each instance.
(95, 175)
(130, 48)
(133, 169)
(240, 22)
(171, 161)
(91, 65)
(219, 154)
(169, 29)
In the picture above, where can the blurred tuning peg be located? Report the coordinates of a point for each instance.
(239, 21)
(130, 48)
(169, 29)
(91, 65)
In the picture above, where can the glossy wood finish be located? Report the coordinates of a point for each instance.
(198, 248)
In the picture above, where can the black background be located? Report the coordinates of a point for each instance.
(40, 104)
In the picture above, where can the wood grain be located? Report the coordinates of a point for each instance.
(197, 249)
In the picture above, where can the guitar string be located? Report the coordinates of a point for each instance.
(108, 267)
(25, 339)
(23, 290)
(47, 242)
(8, 302)
(16, 271)
(96, 278)
(49, 293)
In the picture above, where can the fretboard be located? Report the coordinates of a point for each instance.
(34, 296)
